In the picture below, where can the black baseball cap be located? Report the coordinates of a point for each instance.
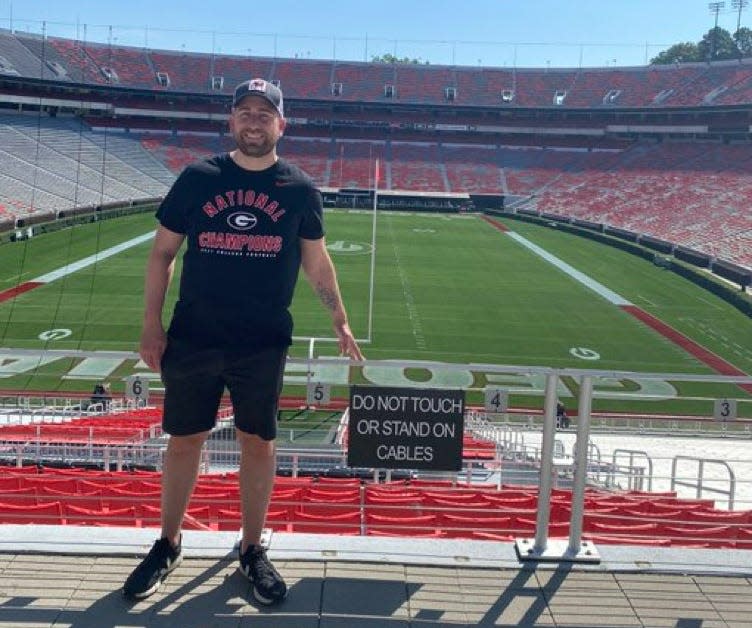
(263, 88)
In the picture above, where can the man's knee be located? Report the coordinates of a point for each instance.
(181, 445)
(254, 445)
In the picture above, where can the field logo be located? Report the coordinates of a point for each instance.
(55, 334)
(583, 353)
(349, 248)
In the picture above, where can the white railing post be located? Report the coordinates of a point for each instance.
(309, 368)
(578, 550)
(525, 550)
(558, 550)
(546, 465)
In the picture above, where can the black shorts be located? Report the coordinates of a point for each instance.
(195, 380)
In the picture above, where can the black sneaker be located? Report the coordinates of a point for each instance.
(268, 586)
(146, 578)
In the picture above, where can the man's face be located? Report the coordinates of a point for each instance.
(256, 126)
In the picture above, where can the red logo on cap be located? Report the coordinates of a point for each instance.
(258, 85)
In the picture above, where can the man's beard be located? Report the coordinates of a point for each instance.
(255, 149)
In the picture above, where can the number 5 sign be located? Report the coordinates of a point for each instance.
(318, 394)
(725, 410)
(137, 390)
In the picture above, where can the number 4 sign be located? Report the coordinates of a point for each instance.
(496, 400)
(725, 409)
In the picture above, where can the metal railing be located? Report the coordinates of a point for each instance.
(514, 447)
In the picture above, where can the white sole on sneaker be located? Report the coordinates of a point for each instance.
(258, 597)
(163, 574)
(265, 600)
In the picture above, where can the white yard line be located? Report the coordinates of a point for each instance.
(575, 274)
(412, 310)
(93, 259)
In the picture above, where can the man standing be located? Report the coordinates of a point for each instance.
(251, 220)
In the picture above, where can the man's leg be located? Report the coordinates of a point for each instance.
(255, 382)
(193, 390)
(179, 473)
(257, 470)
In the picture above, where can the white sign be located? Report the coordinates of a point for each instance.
(318, 394)
(137, 390)
(724, 410)
(497, 400)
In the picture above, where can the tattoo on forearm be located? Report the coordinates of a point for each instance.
(328, 297)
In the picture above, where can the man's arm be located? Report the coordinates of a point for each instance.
(319, 270)
(159, 271)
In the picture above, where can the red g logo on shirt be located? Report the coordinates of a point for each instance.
(242, 221)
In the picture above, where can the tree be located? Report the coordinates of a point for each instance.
(678, 53)
(717, 45)
(743, 41)
(392, 59)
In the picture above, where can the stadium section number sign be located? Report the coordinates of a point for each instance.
(137, 390)
(406, 428)
(496, 400)
(318, 393)
(724, 409)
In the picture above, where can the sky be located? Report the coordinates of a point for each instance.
(494, 33)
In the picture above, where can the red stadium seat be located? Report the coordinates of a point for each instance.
(50, 513)
(76, 515)
(400, 525)
(343, 523)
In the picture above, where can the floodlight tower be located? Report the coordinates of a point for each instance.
(715, 7)
(739, 5)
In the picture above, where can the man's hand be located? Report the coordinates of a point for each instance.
(159, 271)
(347, 343)
(153, 344)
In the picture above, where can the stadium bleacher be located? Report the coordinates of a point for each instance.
(56, 164)
(676, 191)
(352, 507)
(567, 165)
(684, 84)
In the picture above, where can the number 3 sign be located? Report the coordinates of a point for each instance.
(724, 409)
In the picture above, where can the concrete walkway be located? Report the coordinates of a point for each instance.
(72, 578)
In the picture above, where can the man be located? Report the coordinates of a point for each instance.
(101, 396)
(562, 420)
(250, 220)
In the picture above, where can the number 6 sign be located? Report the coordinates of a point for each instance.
(137, 391)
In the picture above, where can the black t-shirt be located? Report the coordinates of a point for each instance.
(242, 258)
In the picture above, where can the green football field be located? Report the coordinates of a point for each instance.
(447, 288)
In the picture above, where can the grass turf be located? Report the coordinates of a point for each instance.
(448, 288)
